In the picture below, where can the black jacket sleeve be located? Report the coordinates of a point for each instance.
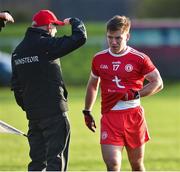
(16, 87)
(60, 46)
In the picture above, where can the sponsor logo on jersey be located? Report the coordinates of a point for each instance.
(111, 91)
(118, 62)
(117, 81)
(128, 68)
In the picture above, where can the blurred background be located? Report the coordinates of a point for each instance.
(155, 31)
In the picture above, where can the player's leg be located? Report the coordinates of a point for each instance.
(136, 158)
(66, 147)
(112, 139)
(37, 148)
(57, 133)
(136, 135)
(112, 156)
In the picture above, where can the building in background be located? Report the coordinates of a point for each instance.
(22, 10)
(93, 10)
(88, 10)
(159, 38)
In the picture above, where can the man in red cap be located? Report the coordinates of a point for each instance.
(40, 90)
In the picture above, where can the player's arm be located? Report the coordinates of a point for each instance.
(155, 84)
(16, 86)
(91, 94)
(60, 46)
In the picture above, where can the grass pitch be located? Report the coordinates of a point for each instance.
(162, 151)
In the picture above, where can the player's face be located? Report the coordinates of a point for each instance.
(117, 41)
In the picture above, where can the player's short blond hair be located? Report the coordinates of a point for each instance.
(122, 23)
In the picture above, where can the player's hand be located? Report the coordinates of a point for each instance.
(67, 21)
(6, 16)
(89, 120)
(131, 95)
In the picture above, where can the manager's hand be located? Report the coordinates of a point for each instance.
(89, 120)
(67, 21)
(6, 16)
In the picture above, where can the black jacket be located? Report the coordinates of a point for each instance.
(36, 73)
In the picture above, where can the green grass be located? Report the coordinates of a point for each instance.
(162, 151)
(18, 29)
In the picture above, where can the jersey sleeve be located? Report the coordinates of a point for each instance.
(148, 65)
(94, 70)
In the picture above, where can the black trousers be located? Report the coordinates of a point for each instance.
(49, 143)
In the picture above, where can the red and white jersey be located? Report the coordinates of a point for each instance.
(119, 73)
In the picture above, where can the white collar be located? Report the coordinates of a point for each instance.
(121, 54)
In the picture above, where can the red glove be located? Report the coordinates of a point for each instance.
(89, 120)
(131, 95)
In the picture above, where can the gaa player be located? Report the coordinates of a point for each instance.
(121, 71)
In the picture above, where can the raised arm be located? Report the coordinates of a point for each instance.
(61, 46)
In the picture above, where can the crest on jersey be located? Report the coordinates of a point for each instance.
(128, 68)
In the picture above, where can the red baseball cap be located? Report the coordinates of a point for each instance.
(45, 17)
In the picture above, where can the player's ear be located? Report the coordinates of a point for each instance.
(128, 36)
